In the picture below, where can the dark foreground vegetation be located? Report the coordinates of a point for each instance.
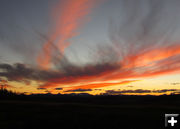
(85, 111)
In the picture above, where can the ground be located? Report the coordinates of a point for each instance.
(89, 112)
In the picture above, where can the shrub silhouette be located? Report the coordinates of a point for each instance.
(5, 92)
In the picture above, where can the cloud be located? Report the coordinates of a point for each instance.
(175, 83)
(16, 72)
(130, 86)
(68, 74)
(103, 84)
(140, 47)
(139, 91)
(68, 17)
(98, 89)
(79, 90)
(164, 90)
(58, 88)
(22, 73)
(41, 88)
(127, 91)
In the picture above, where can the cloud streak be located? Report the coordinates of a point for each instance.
(67, 23)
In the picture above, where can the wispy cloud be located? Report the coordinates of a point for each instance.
(67, 23)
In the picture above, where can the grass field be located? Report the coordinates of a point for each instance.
(90, 112)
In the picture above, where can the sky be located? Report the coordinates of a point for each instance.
(90, 46)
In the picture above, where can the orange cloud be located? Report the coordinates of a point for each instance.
(99, 85)
(69, 17)
(162, 62)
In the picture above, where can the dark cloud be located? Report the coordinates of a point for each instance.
(16, 72)
(79, 90)
(24, 73)
(83, 94)
(21, 72)
(41, 88)
(127, 91)
(164, 90)
(98, 89)
(58, 88)
(114, 92)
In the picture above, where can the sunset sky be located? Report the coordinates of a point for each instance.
(90, 46)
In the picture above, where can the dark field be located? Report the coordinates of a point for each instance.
(86, 112)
